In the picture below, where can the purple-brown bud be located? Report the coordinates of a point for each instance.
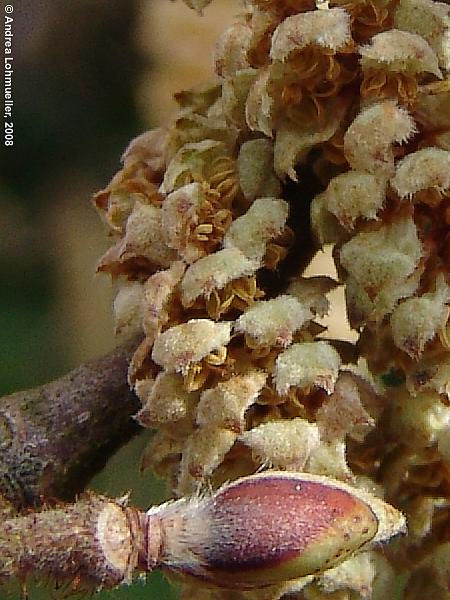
(259, 530)
(267, 528)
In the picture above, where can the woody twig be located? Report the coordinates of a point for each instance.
(55, 437)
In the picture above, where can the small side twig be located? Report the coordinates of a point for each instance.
(55, 437)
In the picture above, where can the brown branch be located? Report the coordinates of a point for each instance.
(93, 543)
(55, 437)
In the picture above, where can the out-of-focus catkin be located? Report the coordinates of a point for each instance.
(348, 102)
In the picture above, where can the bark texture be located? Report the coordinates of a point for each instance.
(55, 437)
(91, 544)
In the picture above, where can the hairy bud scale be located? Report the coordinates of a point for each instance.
(266, 528)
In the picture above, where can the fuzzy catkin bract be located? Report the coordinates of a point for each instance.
(344, 106)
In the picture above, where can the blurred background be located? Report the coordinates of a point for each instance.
(88, 76)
